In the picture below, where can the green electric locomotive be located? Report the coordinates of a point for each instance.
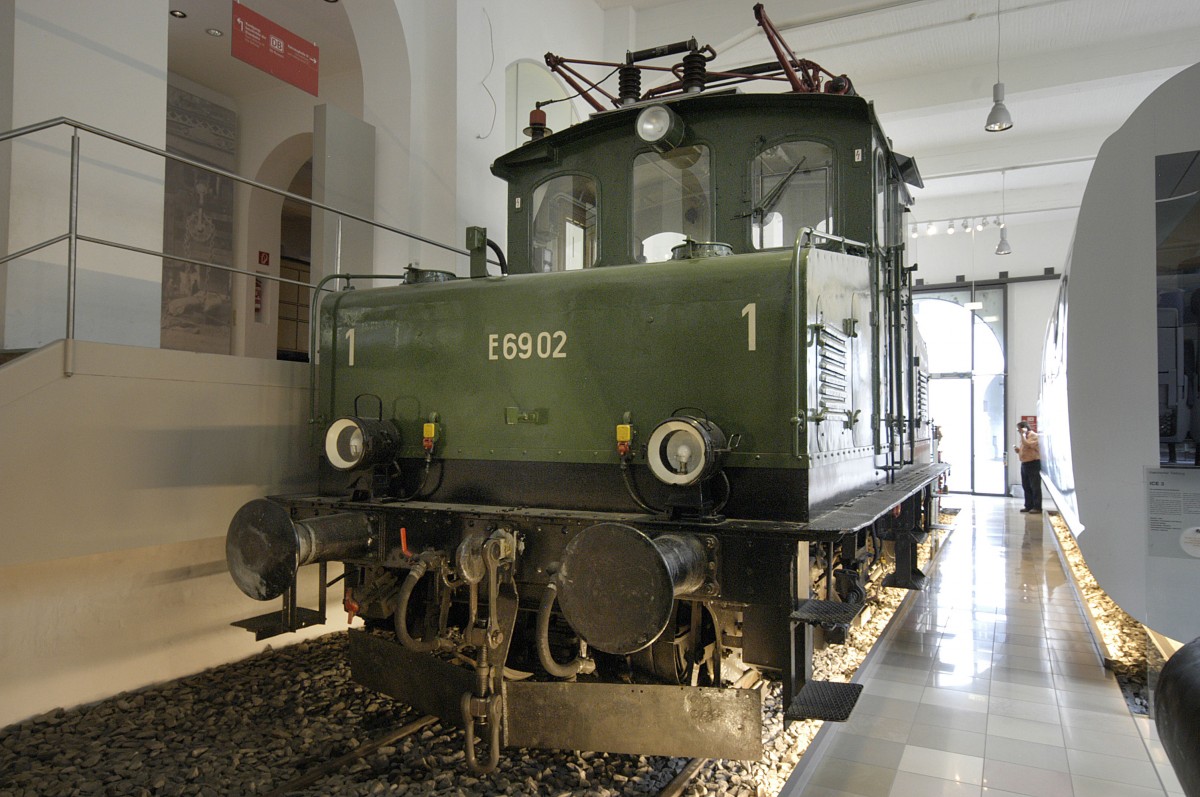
(589, 494)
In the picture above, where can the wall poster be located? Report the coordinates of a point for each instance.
(197, 302)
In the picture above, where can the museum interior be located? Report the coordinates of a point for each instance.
(146, 396)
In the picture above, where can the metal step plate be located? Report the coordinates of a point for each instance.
(818, 612)
(824, 700)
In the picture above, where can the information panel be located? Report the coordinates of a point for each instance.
(1173, 501)
(274, 49)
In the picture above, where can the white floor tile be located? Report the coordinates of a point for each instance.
(941, 764)
(950, 698)
(1026, 730)
(1030, 754)
(1107, 721)
(1107, 767)
(912, 784)
(1095, 787)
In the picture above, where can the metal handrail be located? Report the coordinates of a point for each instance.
(72, 236)
(63, 120)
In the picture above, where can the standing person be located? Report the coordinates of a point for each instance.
(1031, 468)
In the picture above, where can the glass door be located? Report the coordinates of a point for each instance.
(964, 333)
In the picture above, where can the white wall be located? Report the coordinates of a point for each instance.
(117, 485)
(1029, 307)
(67, 64)
(1037, 246)
(517, 32)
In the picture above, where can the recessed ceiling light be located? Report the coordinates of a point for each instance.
(175, 12)
(214, 32)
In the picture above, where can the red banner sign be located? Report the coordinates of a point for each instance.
(274, 49)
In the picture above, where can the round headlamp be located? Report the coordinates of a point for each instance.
(352, 442)
(660, 127)
(685, 450)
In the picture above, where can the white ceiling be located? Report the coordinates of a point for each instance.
(1074, 71)
(198, 56)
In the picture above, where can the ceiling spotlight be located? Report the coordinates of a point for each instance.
(950, 228)
(175, 12)
(966, 225)
(979, 225)
(931, 230)
(999, 119)
(1003, 247)
(914, 231)
(214, 32)
(997, 222)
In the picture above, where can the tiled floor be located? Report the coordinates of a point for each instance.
(988, 683)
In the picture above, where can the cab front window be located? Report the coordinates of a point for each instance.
(792, 187)
(672, 201)
(564, 224)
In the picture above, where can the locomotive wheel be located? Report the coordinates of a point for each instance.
(681, 658)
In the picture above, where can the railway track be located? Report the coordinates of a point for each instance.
(678, 785)
(690, 771)
(317, 773)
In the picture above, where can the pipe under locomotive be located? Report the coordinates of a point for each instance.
(588, 495)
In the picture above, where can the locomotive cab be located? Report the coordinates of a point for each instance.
(813, 161)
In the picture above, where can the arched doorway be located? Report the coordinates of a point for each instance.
(964, 331)
(295, 263)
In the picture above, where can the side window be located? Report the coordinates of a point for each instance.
(564, 224)
(793, 186)
(672, 201)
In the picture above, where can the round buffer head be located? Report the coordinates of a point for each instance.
(615, 589)
(262, 549)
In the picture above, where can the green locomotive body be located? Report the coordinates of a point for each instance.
(530, 375)
(697, 385)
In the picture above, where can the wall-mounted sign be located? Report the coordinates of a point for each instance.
(274, 49)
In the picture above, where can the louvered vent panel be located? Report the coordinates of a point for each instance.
(833, 388)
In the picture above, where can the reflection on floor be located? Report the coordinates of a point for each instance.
(988, 683)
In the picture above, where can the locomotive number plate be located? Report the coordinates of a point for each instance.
(527, 345)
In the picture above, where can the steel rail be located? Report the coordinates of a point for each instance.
(678, 785)
(329, 767)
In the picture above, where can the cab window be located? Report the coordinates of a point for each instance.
(792, 187)
(672, 201)
(564, 224)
